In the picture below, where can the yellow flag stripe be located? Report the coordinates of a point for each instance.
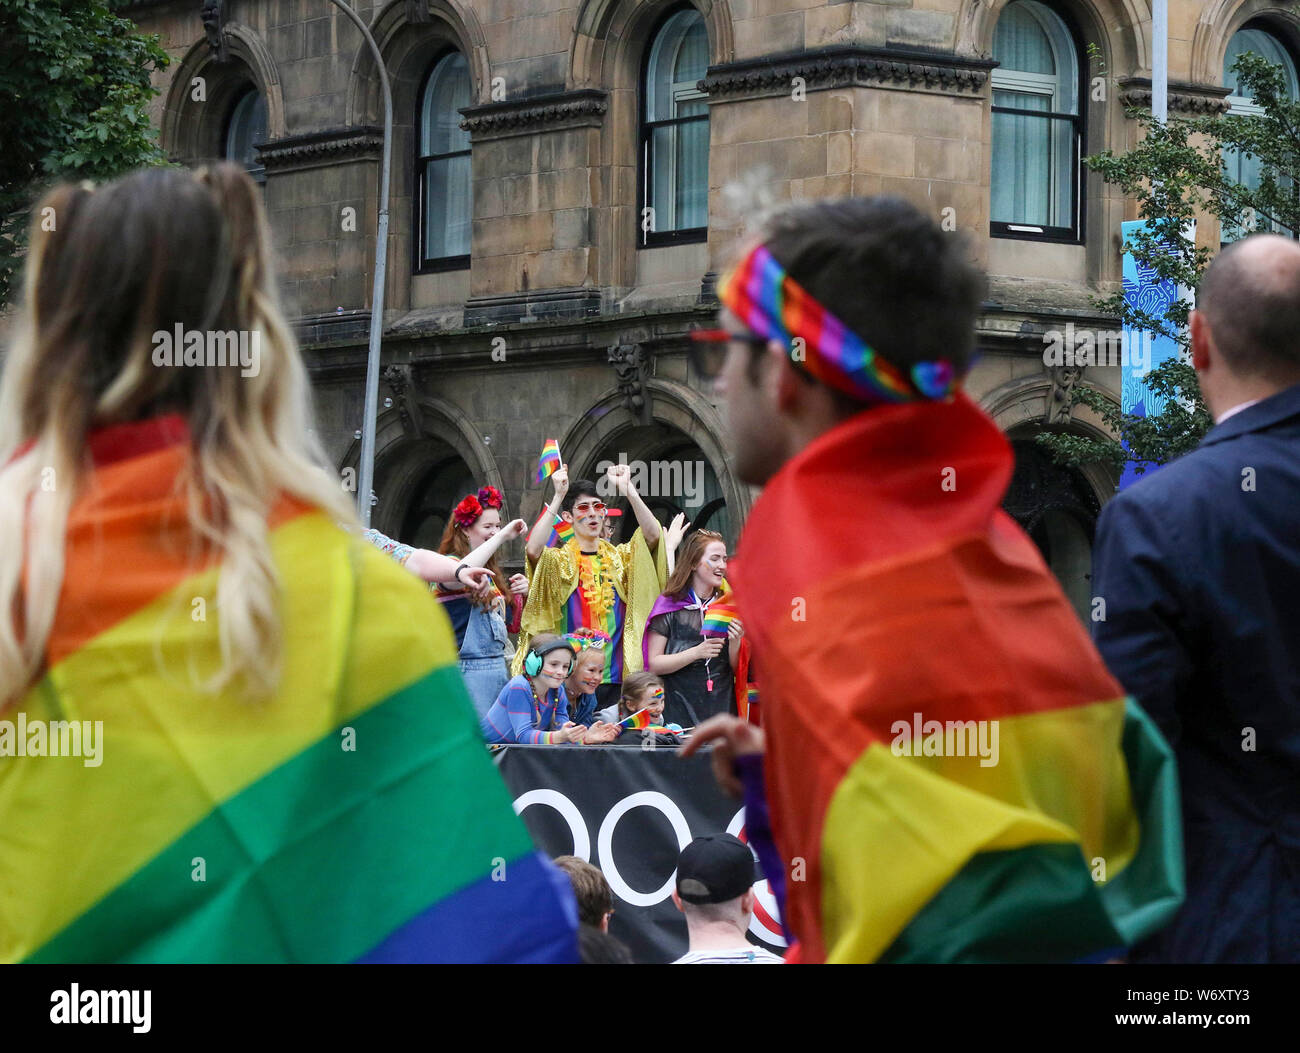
(899, 828)
(356, 628)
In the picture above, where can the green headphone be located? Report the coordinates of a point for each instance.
(533, 660)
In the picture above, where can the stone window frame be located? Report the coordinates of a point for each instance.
(660, 239)
(419, 263)
(1076, 233)
(1286, 39)
(192, 131)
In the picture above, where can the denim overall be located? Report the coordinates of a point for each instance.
(483, 658)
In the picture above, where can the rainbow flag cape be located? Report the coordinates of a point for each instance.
(355, 816)
(718, 618)
(549, 463)
(638, 720)
(947, 755)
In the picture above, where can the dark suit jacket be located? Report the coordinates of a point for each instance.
(1199, 568)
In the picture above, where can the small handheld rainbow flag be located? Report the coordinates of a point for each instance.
(549, 462)
(718, 619)
(561, 531)
(638, 720)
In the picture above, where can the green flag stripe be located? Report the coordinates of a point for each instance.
(1031, 904)
(326, 855)
(1041, 903)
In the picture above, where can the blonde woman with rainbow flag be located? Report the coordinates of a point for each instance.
(182, 574)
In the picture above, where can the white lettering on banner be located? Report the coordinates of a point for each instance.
(764, 922)
(568, 812)
(605, 845)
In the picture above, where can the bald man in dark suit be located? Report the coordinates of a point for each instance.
(1198, 565)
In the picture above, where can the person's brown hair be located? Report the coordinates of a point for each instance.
(886, 270)
(595, 897)
(684, 569)
(122, 267)
(634, 687)
(455, 542)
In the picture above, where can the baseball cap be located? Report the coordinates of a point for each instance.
(714, 869)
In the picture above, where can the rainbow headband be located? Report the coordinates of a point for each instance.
(776, 307)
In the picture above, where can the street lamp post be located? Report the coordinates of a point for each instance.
(1160, 60)
(377, 297)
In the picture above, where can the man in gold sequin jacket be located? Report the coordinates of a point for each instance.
(589, 583)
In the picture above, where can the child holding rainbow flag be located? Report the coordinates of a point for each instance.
(641, 714)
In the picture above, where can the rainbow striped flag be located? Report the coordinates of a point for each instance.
(355, 816)
(718, 619)
(946, 751)
(638, 720)
(561, 531)
(549, 463)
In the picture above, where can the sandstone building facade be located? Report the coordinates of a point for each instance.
(560, 205)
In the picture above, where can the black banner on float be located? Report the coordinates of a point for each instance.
(630, 812)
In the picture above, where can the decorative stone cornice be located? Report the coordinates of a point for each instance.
(584, 107)
(1193, 100)
(848, 65)
(322, 148)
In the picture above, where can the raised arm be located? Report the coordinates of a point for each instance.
(435, 567)
(431, 566)
(478, 557)
(673, 538)
(541, 531)
(621, 476)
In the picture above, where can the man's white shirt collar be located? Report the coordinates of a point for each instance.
(1235, 410)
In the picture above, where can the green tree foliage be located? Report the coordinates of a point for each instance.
(1176, 172)
(74, 87)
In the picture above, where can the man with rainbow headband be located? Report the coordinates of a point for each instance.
(951, 772)
(586, 582)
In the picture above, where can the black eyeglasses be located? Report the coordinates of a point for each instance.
(708, 349)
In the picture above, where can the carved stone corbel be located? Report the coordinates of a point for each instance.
(629, 362)
(1060, 400)
(398, 378)
(213, 13)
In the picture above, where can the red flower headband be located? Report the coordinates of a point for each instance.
(467, 512)
(490, 497)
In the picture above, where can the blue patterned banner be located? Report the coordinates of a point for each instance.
(1144, 290)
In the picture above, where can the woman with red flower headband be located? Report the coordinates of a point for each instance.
(482, 621)
(471, 587)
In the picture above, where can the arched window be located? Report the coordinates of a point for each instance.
(1242, 169)
(1037, 126)
(1058, 509)
(245, 129)
(674, 183)
(443, 167)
